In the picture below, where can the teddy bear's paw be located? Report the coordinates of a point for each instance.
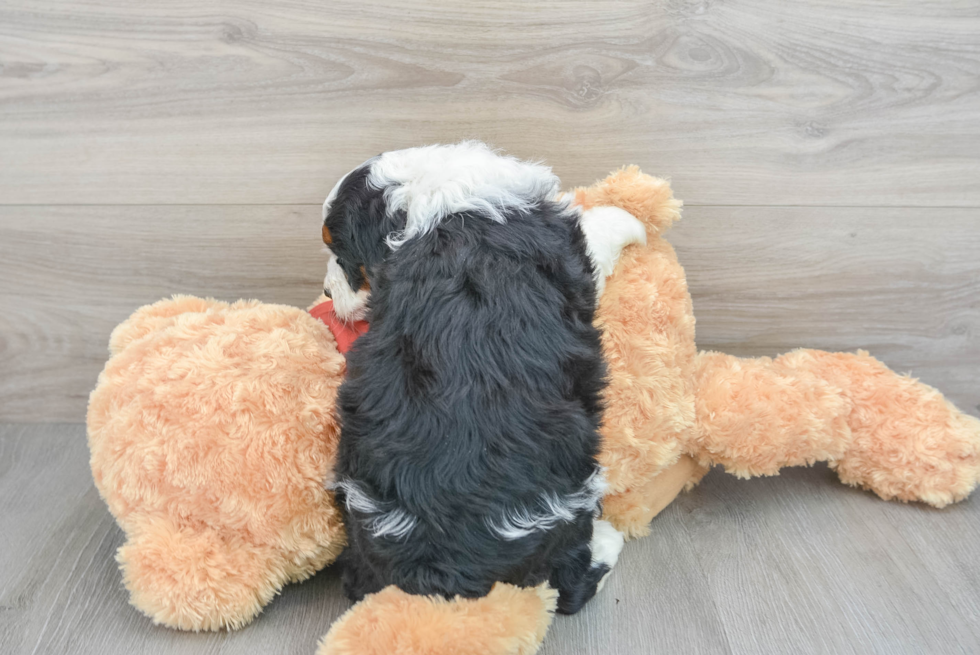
(907, 441)
(508, 621)
(196, 579)
(916, 446)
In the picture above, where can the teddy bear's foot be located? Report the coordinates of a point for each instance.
(508, 621)
(631, 511)
(907, 441)
(198, 579)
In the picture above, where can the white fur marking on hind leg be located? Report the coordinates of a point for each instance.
(607, 542)
(381, 522)
(550, 510)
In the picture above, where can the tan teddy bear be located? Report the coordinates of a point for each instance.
(211, 432)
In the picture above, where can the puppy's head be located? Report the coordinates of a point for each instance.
(356, 224)
(403, 194)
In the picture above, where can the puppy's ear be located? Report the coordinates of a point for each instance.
(359, 226)
(377, 246)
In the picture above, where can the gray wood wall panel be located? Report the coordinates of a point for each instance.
(123, 123)
(902, 283)
(828, 102)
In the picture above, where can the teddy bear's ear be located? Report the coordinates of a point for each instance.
(648, 198)
(508, 621)
(151, 318)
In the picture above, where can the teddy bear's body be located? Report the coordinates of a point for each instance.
(671, 406)
(212, 430)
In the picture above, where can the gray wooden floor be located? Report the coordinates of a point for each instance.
(828, 152)
(793, 564)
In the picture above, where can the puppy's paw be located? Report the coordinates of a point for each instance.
(607, 542)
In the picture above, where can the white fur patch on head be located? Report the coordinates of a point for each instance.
(348, 304)
(430, 183)
(607, 231)
(550, 510)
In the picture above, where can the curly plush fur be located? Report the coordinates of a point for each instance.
(507, 620)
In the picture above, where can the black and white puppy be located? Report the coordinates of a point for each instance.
(471, 408)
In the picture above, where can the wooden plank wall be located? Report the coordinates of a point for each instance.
(828, 152)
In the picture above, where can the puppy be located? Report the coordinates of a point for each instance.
(470, 411)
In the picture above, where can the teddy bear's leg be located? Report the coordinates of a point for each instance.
(908, 442)
(508, 621)
(195, 579)
(880, 430)
(631, 511)
(755, 416)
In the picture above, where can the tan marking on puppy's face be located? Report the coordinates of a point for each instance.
(366, 284)
(327, 237)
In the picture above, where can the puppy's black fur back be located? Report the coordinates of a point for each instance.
(476, 390)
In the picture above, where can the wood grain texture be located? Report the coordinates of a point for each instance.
(902, 283)
(60, 589)
(71, 274)
(824, 102)
(796, 563)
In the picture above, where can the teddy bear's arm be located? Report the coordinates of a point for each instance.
(508, 621)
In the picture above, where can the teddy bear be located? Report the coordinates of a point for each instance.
(211, 432)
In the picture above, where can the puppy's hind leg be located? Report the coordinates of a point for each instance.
(584, 569)
(606, 544)
(357, 576)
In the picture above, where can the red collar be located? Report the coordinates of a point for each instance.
(345, 334)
